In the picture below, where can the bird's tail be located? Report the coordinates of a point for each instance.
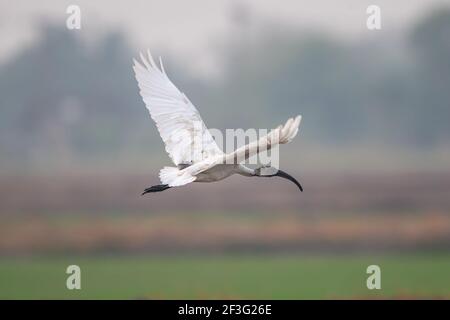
(174, 177)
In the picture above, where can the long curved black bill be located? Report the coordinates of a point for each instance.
(283, 174)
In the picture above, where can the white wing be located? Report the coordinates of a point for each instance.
(182, 129)
(281, 135)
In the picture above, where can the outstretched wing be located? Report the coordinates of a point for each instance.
(281, 135)
(182, 129)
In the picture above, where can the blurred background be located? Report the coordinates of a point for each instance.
(77, 147)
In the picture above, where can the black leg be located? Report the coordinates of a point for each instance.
(157, 188)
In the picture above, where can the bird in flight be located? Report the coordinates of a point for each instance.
(181, 128)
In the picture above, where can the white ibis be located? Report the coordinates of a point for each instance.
(180, 124)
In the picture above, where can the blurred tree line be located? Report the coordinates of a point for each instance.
(62, 99)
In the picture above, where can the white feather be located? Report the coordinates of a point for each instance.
(181, 128)
(281, 135)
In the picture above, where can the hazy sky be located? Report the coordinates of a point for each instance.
(195, 27)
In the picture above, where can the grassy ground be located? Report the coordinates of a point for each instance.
(227, 277)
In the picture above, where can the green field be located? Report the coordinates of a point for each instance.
(227, 277)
